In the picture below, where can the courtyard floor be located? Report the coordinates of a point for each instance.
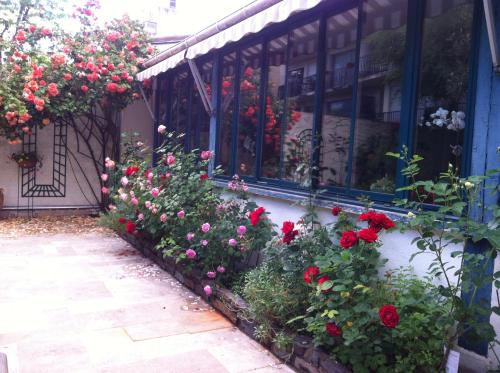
(89, 302)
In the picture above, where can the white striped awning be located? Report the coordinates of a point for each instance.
(276, 13)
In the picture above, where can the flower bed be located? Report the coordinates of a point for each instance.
(313, 294)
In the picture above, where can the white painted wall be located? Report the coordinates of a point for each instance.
(78, 193)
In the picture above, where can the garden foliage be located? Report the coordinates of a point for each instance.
(322, 280)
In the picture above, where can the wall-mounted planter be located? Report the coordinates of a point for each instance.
(304, 357)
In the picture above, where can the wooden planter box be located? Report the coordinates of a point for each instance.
(304, 357)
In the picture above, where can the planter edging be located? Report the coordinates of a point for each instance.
(304, 356)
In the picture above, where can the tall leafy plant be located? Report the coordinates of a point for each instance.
(451, 222)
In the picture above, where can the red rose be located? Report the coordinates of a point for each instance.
(389, 315)
(122, 220)
(333, 330)
(377, 221)
(203, 177)
(289, 233)
(84, 88)
(131, 170)
(287, 227)
(348, 239)
(368, 235)
(111, 87)
(323, 279)
(336, 211)
(130, 227)
(52, 90)
(255, 215)
(310, 274)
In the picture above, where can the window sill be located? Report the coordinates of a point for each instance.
(326, 200)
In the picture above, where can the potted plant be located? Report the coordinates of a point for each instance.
(25, 160)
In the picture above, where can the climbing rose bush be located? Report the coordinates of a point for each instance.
(50, 75)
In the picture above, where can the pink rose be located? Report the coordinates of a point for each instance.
(205, 227)
(221, 269)
(163, 218)
(149, 175)
(206, 154)
(124, 197)
(104, 177)
(104, 190)
(232, 242)
(155, 192)
(208, 290)
(109, 163)
(170, 160)
(204, 242)
(211, 274)
(181, 214)
(241, 230)
(147, 204)
(190, 253)
(162, 129)
(189, 236)
(134, 201)
(154, 211)
(140, 216)
(124, 181)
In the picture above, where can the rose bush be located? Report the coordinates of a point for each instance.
(368, 323)
(177, 207)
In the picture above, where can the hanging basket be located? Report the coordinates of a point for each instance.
(29, 163)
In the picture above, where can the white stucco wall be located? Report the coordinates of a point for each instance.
(136, 118)
(78, 192)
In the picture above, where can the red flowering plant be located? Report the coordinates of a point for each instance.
(82, 79)
(367, 322)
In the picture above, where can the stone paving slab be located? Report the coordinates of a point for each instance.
(92, 303)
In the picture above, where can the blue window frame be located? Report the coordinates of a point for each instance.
(329, 65)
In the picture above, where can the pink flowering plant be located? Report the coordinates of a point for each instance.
(178, 207)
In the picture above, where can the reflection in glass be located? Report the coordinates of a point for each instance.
(443, 87)
(271, 144)
(337, 109)
(379, 95)
(297, 147)
(227, 94)
(162, 100)
(180, 93)
(200, 119)
(249, 110)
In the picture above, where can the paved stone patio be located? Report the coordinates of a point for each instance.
(92, 303)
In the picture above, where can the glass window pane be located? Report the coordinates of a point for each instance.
(200, 119)
(443, 89)
(204, 123)
(249, 110)
(162, 100)
(337, 107)
(297, 147)
(379, 95)
(227, 93)
(180, 102)
(271, 144)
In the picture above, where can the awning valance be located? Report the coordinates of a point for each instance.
(276, 13)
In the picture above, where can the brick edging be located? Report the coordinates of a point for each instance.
(304, 357)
